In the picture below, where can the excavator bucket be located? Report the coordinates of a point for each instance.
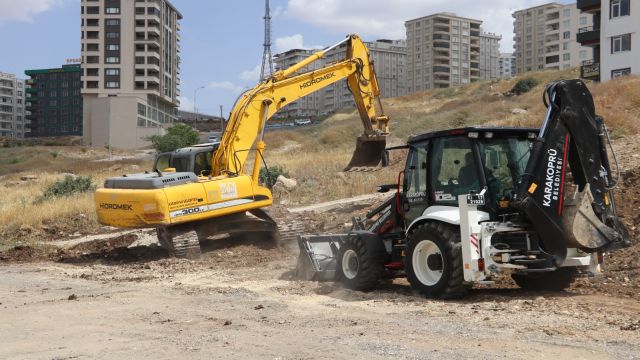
(369, 154)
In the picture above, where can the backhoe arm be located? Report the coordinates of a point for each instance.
(571, 145)
(248, 118)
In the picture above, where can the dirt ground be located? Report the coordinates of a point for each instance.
(120, 296)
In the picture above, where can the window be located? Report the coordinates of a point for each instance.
(53, 94)
(142, 109)
(566, 35)
(620, 72)
(583, 20)
(566, 12)
(453, 170)
(112, 60)
(202, 163)
(113, 35)
(93, 47)
(112, 10)
(113, 85)
(113, 22)
(566, 24)
(113, 47)
(621, 43)
(416, 178)
(565, 45)
(112, 72)
(619, 8)
(583, 54)
(566, 57)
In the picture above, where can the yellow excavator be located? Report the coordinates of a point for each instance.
(227, 198)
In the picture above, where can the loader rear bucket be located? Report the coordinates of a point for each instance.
(369, 153)
(317, 259)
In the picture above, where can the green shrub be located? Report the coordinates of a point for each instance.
(68, 186)
(524, 85)
(269, 177)
(54, 154)
(14, 160)
(178, 136)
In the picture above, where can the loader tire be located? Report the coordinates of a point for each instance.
(360, 265)
(546, 281)
(433, 261)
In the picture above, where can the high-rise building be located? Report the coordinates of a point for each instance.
(130, 70)
(389, 60)
(544, 37)
(442, 50)
(614, 38)
(54, 101)
(506, 64)
(306, 106)
(12, 106)
(489, 56)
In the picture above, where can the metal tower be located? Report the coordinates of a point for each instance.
(267, 61)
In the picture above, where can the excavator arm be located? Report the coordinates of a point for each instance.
(248, 118)
(567, 188)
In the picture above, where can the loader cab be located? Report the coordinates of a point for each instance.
(442, 165)
(196, 159)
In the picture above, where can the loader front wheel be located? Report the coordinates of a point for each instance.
(546, 281)
(434, 261)
(360, 266)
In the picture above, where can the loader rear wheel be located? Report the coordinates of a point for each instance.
(546, 281)
(434, 261)
(360, 266)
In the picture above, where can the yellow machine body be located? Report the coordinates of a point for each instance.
(231, 188)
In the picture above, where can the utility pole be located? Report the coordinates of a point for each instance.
(221, 120)
(267, 61)
(195, 109)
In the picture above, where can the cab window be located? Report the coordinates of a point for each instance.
(417, 176)
(162, 162)
(453, 170)
(202, 163)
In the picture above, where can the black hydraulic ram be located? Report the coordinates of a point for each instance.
(571, 144)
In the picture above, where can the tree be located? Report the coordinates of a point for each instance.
(177, 136)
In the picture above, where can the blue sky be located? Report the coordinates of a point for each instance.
(222, 40)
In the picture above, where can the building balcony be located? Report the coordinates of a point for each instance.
(441, 45)
(587, 6)
(590, 70)
(588, 36)
(441, 37)
(441, 81)
(552, 59)
(444, 70)
(31, 90)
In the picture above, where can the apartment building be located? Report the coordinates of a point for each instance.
(12, 107)
(54, 101)
(489, 56)
(506, 64)
(308, 106)
(389, 59)
(544, 37)
(442, 50)
(614, 38)
(130, 70)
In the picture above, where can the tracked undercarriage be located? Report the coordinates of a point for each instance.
(183, 240)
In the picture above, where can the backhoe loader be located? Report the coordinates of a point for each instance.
(227, 197)
(472, 203)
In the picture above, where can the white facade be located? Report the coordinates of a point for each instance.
(12, 108)
(616, 58)
(506, 64)
(489, 56)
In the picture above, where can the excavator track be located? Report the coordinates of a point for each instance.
(180, 241)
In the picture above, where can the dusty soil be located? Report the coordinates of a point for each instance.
(121, 297)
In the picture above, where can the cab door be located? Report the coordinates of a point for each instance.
(415, 198)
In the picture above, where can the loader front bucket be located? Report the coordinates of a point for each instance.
(317, 259)
(369, 153)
